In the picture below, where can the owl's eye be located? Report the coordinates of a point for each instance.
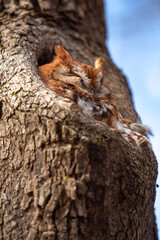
(72, 75)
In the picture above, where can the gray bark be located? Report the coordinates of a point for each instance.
(64, 175)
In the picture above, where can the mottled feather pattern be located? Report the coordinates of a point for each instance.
(82, 84)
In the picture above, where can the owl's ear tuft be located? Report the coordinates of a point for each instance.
(62, 53)
(99, 64)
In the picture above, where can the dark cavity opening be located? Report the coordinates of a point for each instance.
(45, 57)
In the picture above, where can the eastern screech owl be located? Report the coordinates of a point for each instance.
(82, 84)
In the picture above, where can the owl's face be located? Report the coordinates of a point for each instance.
(76, 72)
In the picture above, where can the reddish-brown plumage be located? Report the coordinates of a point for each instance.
(82, 84)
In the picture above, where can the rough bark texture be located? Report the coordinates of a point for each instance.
(63, 175)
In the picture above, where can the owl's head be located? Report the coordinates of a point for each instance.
(90, 77)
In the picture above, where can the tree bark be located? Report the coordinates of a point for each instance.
(64, 175)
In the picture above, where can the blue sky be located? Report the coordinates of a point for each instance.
(134, 44)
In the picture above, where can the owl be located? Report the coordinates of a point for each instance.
(83, 84)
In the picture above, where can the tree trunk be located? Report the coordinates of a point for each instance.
(64, 175)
